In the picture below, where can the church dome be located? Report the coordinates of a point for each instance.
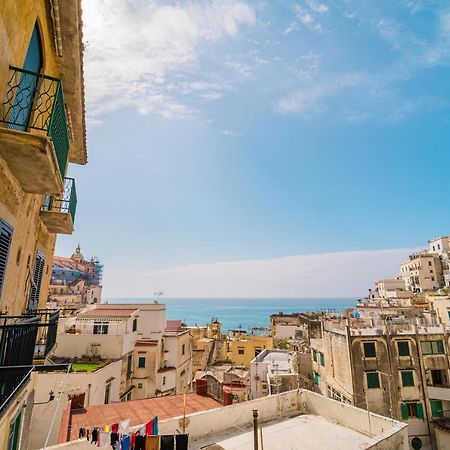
(78, 256)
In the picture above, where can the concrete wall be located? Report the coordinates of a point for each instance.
(442, 439)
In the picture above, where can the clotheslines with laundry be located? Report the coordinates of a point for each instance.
(120, 436)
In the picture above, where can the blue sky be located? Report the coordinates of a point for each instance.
(222, 131)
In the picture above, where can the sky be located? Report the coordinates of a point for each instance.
(262, 148)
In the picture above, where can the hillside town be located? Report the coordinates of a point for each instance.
(78, 370)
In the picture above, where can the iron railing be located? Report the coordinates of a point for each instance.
(66, 203)
(48, 329)
(35, 102)
(11, 383)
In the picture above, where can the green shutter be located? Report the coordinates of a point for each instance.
(373, 380)
(404, 411)
(419, 409)
(436, 408)
(322, 359)
(407, 378)
(314, 356)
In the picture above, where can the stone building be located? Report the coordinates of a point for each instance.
(42, 131)
(397, 367)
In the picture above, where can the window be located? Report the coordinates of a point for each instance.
(140, 385)
(369, 350)
(316, 378)
(257, 351)
(429, 262)
(141, 362)
(129, 362)
(403, 348)
(164, 381)
(436, 408)
(241, 350)
(134, 324)
(183, 349)
(432, 347)
(100, 328)
(6, 234)
(39, 263)
(411, 410)
(314, 355)
(107, 393)
(322, 359)
(407, 378)
(436, 378)
(373, 380)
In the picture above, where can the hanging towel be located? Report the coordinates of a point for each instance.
(125, 442)
(103, 439)
(115, 428)
(182, 441)
(155, 425)
(149, 428)
(106, 428)
(124, 426)
(167, 442)
(139, 444)
(152, 443)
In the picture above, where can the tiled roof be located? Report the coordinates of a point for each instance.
(123, 312)
(173, 325)
(139, 411)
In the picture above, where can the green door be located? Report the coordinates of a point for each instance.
(14, 430)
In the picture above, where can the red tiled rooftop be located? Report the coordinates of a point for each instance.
(173, 325)
(97, 312)
(139, 411)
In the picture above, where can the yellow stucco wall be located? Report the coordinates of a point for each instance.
(242, 350)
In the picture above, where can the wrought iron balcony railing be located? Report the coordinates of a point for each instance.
(11, 383)
(35, 102)
(66, 203)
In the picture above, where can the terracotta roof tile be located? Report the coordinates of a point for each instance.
(139, 411)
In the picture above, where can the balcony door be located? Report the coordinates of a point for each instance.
(27, 84)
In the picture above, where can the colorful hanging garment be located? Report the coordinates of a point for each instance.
(126, 442)
(181, 441)
(155, 426)
(103, 439)
(149, 428)
(106, 428)
(124, 426)
(115, 428)
(152, 443)
(167, 442)
(139, 443)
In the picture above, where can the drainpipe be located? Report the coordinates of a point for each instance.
(255, 429)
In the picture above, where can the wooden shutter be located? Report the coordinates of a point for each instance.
(404, 411)
(39, 265)
(6, 234)
(419, 409)
(436, 408)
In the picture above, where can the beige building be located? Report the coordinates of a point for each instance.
(422, 272)
(42, 131)
(155, 354)
(243, 348)
(397, 368)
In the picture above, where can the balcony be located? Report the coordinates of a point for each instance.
(58, 212)
(34, 138)
(439, 393)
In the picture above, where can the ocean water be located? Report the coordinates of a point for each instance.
(239, 313)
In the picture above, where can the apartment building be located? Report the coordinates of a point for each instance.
(397, 367)
(155, 354)
(242, 348)
(42, 131)
(273, 372)
(422, 272)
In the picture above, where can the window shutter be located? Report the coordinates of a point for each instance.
(5, 243)
(419, 409)
(436, 408)
(39, 264)
(404, 410)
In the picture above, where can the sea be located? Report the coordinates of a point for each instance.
(236, 313)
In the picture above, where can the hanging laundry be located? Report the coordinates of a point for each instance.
(139, 443)
(114, 437)
(133, 439)
(149, 428)
(152, 443)
(106, 428)
(181, 441)
(81, 432)
(103, 439)
(115, 428)
(125, 442)
(155, 425)
(88, 434)
(167, 442)
(94, 435)
(124, 426)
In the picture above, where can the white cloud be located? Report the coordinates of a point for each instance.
(231, 133)
(309, 98)
(338, 274)
(134, 49)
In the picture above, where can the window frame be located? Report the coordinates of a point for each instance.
(140, 358)
(366, 346)
(400, 352)
(407, 378)
(370, 381)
